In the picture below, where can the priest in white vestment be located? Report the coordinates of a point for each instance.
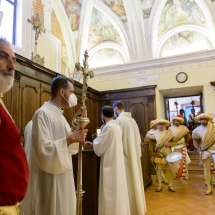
(113, 193)
(51, 190)
(132, 152)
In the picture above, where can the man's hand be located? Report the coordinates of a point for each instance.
(88, 145)
(78, 136)
(79, 113)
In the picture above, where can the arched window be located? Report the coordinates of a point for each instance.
(8, 25)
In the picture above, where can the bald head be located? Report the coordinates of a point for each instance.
(7, 66)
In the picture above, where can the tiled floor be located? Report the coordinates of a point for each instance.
(189, 198)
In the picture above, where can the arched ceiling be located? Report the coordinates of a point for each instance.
(116, 31)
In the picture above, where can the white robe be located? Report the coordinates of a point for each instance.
(132, 153)
(51, 189)
(113, 193)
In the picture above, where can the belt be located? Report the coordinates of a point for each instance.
(10, 210)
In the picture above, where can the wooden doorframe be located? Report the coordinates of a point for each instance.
(167, 111)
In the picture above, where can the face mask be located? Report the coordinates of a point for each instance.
(72, 100)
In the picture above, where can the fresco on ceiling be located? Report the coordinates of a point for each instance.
(106, 57)
(185, 42)
(177, 12)
(117, 7)
(147, 7)
(73, 11)
(101, 30)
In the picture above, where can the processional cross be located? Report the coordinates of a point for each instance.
(81, 122)
(37, 27)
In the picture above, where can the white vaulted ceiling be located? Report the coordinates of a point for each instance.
(126, 31)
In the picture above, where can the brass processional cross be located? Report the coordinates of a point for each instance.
(81, 122)
(37, 27)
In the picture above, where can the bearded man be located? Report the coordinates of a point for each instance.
(13, 162)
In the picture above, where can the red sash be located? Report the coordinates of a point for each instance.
(14, 171)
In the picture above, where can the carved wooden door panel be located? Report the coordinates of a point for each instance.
(139, 112)
(12, 102)
(30, 100)
(44, 93)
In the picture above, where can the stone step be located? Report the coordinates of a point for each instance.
(194, 162)
(193, 166)
(196, 171)
(194, 156)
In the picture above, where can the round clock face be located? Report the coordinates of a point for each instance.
(181, 77)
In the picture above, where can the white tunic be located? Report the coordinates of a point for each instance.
(51, 189)
(113, 193)
(175, 130)
(132, 153)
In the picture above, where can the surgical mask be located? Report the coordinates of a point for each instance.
(72, 100)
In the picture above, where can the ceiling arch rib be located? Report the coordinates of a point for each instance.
(154, 22)
(66, 30)
(86, 13)
(135, 18)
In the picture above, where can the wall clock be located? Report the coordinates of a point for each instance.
(181, 77)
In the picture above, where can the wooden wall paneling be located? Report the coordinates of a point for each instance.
(138, 112)
(151, 110)
(12, 100)
(90, 179)
(146, 165)
(15, 102)
(44, 93)
(30, 99)
(94, 116)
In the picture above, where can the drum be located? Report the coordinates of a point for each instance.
(176, 164)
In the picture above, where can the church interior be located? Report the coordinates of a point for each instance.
(156, 56)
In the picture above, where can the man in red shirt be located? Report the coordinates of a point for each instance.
(13, 163)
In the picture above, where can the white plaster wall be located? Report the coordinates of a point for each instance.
(50, 48)
(199, 67)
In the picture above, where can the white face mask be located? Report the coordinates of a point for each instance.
(72, 100)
